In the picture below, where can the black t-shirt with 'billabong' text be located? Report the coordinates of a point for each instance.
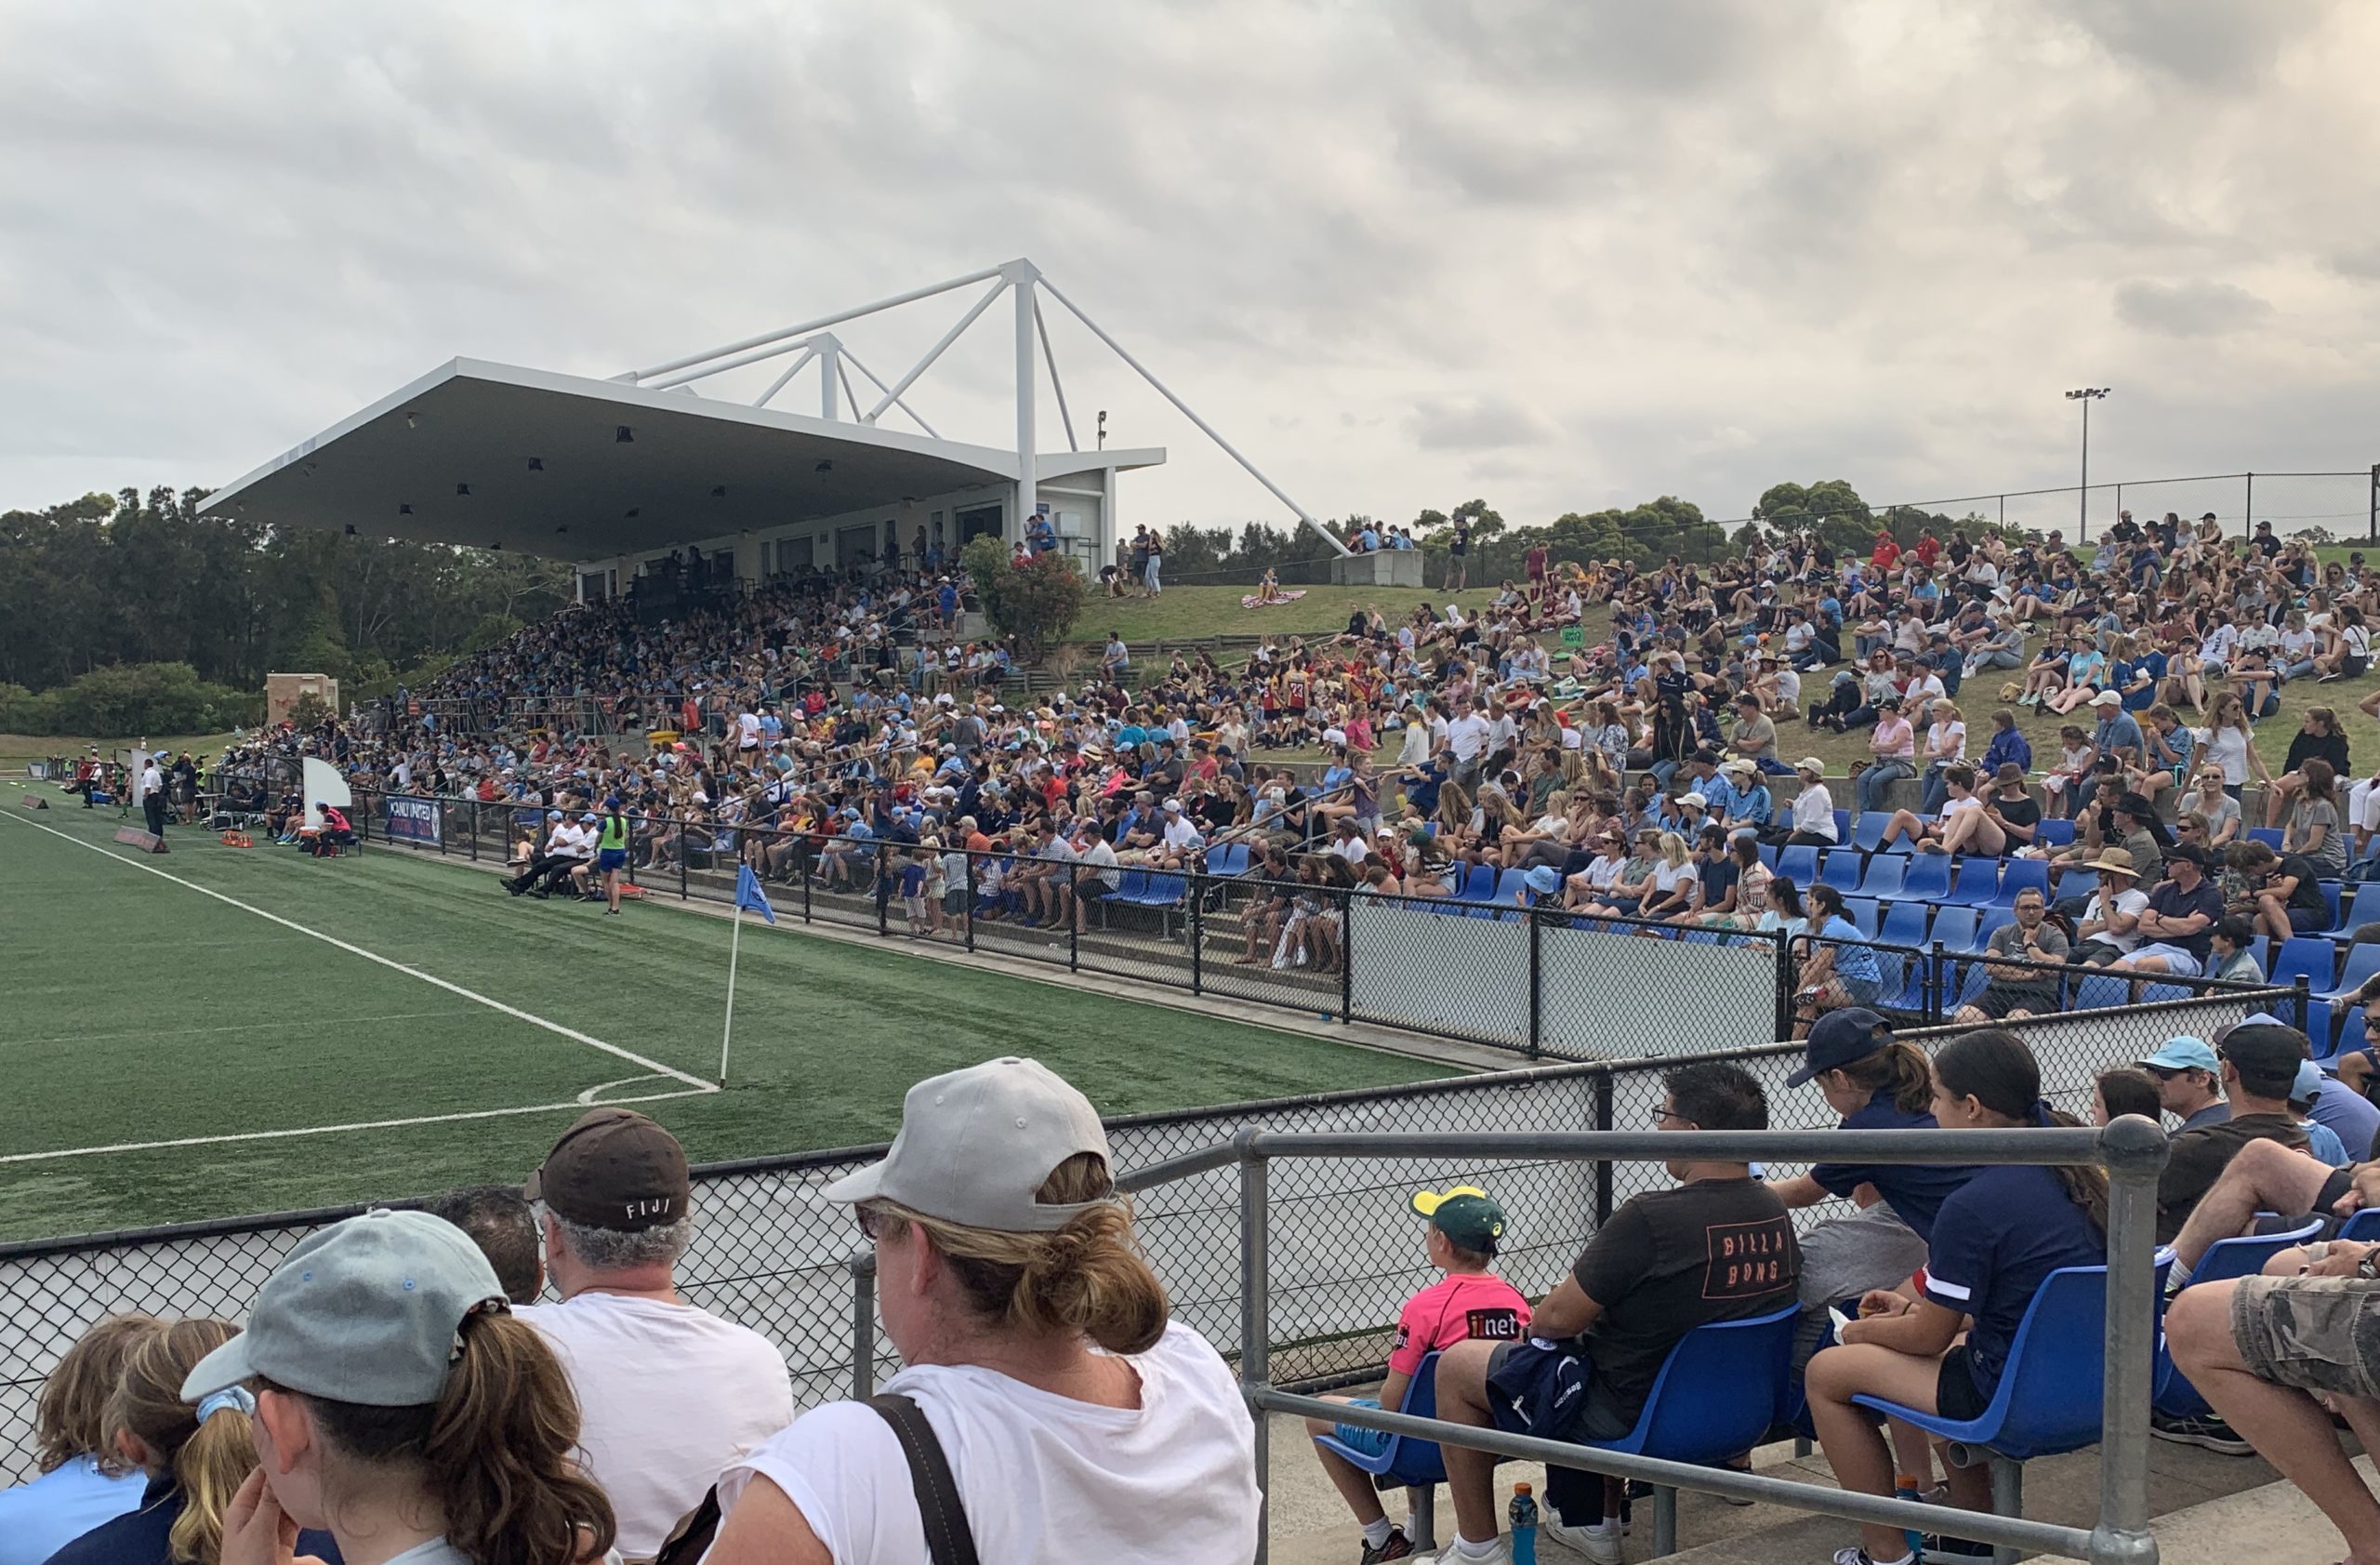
(1671, 1260)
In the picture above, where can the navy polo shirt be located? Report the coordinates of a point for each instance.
(1996, 1240)
(143, 1536)
(1914, 1192)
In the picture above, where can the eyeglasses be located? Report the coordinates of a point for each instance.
(1661, 1116)
(870, 1221)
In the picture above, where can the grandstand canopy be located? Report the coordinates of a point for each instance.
(496, 456)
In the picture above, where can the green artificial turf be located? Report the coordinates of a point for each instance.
(139, 1010)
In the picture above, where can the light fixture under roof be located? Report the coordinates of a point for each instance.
(405, 510)
(824, 466)
(719, 491)
(623, 435)
(462, 489)
(536, 464)
(632, 513)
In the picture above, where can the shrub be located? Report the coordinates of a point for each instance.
(1038, 603)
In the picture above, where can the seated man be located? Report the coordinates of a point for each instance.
(1718, 1247)
(1470, 1303)
(2181, 912)
(2018, 990)
(2259, 1065)
(2273, 1355)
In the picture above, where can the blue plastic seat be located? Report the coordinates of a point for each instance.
(1977, 885)
(1840, 871)
(1884, 876)
(2270, 836)
(2158, 994)
(1870, 833)
(2331, 894)
(2311, 957)
(2363, 1227)
(1798, 864)
(1165, 889)
(1415, 1464)
(1131, 887)
(2020, 875)
(2225, 1259)
(1862, 914)
(1988, 920)
(1904, 924)
(1954, 928)
(1233, 860)
(1928, 879)
(2349, 1035)
(1768, 854)
(2360, 909)
(1718, 1392)
(1479, 885)
(1841, 824)
(2100, 991)
(2048, 1398)
(2054, 834)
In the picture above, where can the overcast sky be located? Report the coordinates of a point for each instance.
(1402, 252)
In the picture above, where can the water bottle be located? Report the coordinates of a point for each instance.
(1524, 1516)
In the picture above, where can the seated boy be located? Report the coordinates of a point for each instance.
(1469, 1302)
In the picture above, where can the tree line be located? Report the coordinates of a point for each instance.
(129, 611)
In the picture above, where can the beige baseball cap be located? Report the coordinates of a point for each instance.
(976, 1146)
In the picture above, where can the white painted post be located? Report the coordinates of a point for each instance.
(830, 358)
(1023, 276)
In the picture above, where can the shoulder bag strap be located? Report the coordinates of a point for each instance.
(948, 1540)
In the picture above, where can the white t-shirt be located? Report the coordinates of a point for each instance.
(1814, 811)
(2131, 900)
(1469, 737)
(1043, 1477)
(669, 1394)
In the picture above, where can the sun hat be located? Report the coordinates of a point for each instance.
(1810, 764)
(1697, 800)
(368, 1311)
(1544, 880)
(2106, 698)
(976, 1146)
(2116, 861)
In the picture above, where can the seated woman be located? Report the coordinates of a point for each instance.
(1965, 826)
(84, 1479)
(1995, 1239)
(1634, 882)
(1840, 969)
(2086, 674)
(1676, 887)
(2045, 675)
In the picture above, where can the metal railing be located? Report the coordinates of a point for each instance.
(2132, 1150)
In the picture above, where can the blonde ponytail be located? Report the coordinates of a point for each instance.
(1086, 1279)
(207, 1461)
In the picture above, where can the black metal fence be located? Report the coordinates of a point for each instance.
(772, 1253)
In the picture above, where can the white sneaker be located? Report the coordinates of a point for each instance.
(1501, 1555)
(1599, 1543)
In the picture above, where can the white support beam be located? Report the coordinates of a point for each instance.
(1188, 412)
(779, 383)
(636, 377)
(936, 351)
(853, 360)
(1042, 328)
(830, 353)
(843, 374)
(1022, 277)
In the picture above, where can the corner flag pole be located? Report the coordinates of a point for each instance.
(728, 1034)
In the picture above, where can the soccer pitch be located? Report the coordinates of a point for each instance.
(224, 1030)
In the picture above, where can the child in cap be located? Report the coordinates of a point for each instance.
(1469, 1302)
(397, 1403)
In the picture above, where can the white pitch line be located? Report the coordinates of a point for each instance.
(335, 1129)
(655, 1067)
(314, 1022)
(587, 1099)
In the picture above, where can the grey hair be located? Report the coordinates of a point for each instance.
(620, 1250)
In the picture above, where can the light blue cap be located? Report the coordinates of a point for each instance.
(2310, 1083)
(369, 1311)
(2183, 1053)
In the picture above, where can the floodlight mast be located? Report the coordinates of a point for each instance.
(1020, 279)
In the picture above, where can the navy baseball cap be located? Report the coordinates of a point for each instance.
(1837, 1039)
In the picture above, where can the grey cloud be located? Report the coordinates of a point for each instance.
(2203, 42)
(1492, 421)
(2197, 308)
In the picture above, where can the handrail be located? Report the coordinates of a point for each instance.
(2132, 1150)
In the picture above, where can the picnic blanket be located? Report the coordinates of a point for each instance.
(1287, 595)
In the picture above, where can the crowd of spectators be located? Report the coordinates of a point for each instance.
(512, 1375)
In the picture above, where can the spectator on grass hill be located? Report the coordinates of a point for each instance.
(192, 1458)
(1078, 1422)
(670, 1394)
(85, 1481)
(1469, 1303)
(505, 1228)
(398, 1404)
(1650, 1275)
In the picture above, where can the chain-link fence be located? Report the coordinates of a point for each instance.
(771, 1254)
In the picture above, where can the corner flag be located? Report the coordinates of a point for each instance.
(749, 895)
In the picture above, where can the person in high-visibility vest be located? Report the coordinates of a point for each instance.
(612, 853)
